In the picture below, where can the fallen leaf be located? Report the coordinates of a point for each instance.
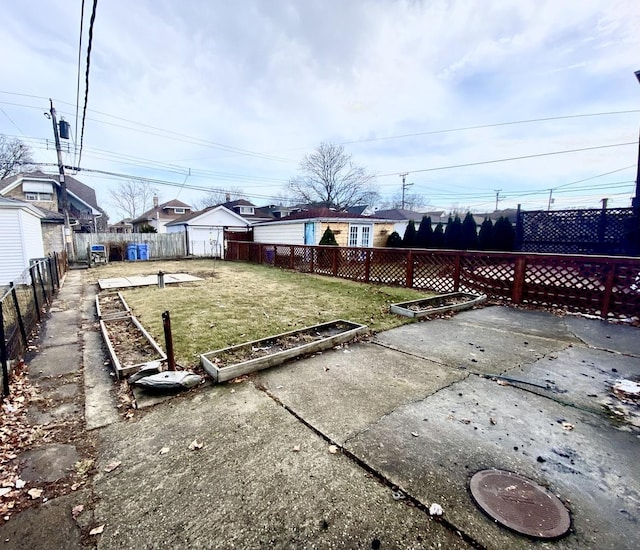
(75, 486)
(333, 449)
(414, 434)
(20, 483)
(502, 383)
(163, 451)
(35, 493)
(492, 421)
(435, 510)
(77, 510)
(5, 491)
(296, 448)
(112, 466)
(567, 426)
(97, 530)
(195, 445)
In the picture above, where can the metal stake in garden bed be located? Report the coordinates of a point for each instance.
(168, 340)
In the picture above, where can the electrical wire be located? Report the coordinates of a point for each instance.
(86, 76)
(75, 148)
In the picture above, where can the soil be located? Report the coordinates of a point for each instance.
(130, 345)
(110, 303)
(433, 303)
(271, 346)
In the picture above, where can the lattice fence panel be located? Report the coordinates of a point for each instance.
(388, 267)
(434, 271)
(302, 258)
(625, 297)
(571, 284)
(490, 275)
(268, 254)
(612, 231)
(282, 256)
(352, 263)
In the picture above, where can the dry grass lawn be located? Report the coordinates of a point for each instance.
(237, 302)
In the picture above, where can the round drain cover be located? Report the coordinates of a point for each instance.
(520, 504)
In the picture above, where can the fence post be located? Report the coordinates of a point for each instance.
(408, 283)
(367, 264)
(35, 292)
(456, 272)
(16, 304)
(335, 261)
(312, 250)
(518, 280)
(50, 270)
(44, 292)
(3, 354)
(608, 290)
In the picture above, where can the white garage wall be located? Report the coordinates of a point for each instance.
(286, 233)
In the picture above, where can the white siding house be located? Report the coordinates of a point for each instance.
(20, 238)
(292, 232)
(204, 230)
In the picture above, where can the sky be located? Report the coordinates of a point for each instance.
(210, 94)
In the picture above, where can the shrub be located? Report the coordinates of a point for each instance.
(394, 240)
(328, 238)
(409, 238)
(425, 233)
(469, 233)
(453, 233)
(437, 241)
(146, 228)
(485, 237)
(504, 235)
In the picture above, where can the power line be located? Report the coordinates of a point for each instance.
(512, 158)
(78, 80)
(86, 76)
(11, 120)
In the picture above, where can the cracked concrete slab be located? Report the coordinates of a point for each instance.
(463, 345)
(370, 379)
(432, 447)
(48, 463)
(603, 335)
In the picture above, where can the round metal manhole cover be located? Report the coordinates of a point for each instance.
(520, 504)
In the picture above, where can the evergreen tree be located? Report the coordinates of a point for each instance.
(425, 233)
(328, 238)
(437, 241)
(453, 234)
(485, 237)
(504, 235)
(394, 240)
(469, 233)
(409, 238)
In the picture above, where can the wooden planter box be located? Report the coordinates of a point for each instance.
(121, 306)
(455, 301)
(136, 332)
(223, 364)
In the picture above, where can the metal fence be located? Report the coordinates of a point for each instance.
(22, 303)
(606, 286)
(161, 245)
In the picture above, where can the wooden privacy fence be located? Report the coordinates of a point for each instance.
(161, 245)
(600, 285)
(21, 305)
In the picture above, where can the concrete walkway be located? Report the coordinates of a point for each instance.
(349, 448)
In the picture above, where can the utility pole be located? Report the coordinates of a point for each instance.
(550, 200)
(63, 185)
(405, 186)
(497, 197)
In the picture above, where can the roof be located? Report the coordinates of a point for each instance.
(6, 202)
(185, 218)
(399, 214)
(151, 213)
(324, 214)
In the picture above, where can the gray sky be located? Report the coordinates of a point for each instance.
(237, 92)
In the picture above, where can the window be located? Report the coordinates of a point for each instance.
(178, 210)
(360, 235)
(42, 197)
(247, 210)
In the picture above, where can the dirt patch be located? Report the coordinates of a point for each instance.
(131, 346)
(110, 303)
(433, 303)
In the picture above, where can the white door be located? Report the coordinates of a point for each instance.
(360, 235)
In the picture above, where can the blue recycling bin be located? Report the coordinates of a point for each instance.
(143, 251)
(132, 252)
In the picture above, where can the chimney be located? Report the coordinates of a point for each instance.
(155, 201)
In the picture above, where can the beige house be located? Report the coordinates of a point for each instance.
(350, 230)
(160, 215)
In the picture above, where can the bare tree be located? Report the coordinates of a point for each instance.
(133, 197)
(15, 157)
(329, 175)
(412, 201)
(214, 197)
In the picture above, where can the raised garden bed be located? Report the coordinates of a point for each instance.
(111, 305)
(225, 364)
(455, 301)
(130, 345)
